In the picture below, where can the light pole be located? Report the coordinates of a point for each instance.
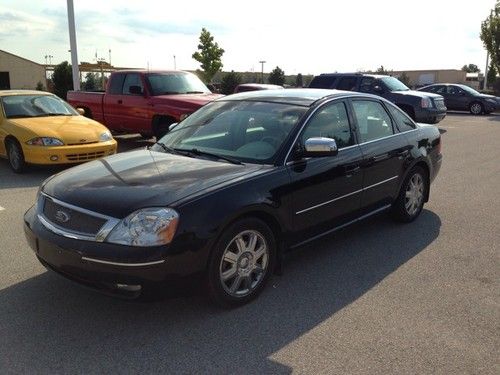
(262, 62)
(175, 64)
(72, 45)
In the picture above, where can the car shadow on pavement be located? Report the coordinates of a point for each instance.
(48, 324)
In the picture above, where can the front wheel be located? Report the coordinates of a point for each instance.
(410, 201)
(476, 108)
(241, 263)
(15, 156)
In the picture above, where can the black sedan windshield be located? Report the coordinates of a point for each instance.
(18, 106)
(176, 83)
(246, 131)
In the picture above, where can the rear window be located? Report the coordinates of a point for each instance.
(116, 84)
(322, 82)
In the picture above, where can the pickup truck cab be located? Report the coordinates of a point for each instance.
(144, 102)
(421, 107)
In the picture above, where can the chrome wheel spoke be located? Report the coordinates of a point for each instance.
(231, 257)
(228, 274)
(240, 244)
(236, 284)
(252, 242)
(259, 252)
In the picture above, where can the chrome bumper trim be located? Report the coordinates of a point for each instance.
(123, 264)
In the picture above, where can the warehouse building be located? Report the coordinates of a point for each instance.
(19, 73)
(419, 78)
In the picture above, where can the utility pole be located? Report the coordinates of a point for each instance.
(72, 44)
(109, 56)
(175, 64)
(262, 62)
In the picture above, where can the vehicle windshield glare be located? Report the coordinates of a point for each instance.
(18, 106)
(175, 83)
(246, 131)
(394, 84)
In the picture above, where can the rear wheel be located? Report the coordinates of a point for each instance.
(476, 108)
(411, 197)
(241, 263)
(15, 156)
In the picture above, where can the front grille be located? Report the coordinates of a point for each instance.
(439, 103)
(71, 219)
(82, 143)
(86, 156)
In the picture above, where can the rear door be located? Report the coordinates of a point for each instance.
(326, 190)
(384, 152)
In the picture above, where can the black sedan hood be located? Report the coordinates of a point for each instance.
(120, 184)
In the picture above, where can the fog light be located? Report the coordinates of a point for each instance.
(54, 158)
(128, 288)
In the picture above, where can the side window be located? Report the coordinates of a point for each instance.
(347, 83)
(452, 90)
(373, 121)
(331, 121)
(366, 84)
(403, 122)
(322, 82)
(132, 79)
(440, 90)
(116, 84)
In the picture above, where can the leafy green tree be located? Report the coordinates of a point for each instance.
(209, 55)
(91, 82)
(490, 35)
(62, 79)
(39, 86)
(299, 80)
(229, 82)
(277, 76)
(383, 71)
(405, 79)
(492, 75)
(471, 68)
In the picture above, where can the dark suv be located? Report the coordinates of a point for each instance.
(421, 107)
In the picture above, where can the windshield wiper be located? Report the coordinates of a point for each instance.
(169, 93)
(195, 92)
(195, 151)
(171, 150)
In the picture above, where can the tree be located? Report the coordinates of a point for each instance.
(91, 82)
(492, 75)
(62, 79)
(405, 79)
(277, 76)
(471, 68)
(490, 35)
(208, 55)
(382, 71)
(39, 86)
(299, 80)
(229, 82)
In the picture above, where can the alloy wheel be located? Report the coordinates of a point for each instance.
(476, 108)
(414, 194)
(244, 263)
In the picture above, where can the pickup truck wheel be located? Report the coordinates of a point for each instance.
(476, 108)
(15, 156)
(161, 130)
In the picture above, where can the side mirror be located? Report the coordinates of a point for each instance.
(378, 89)
(135, 90)
(172, 126)
(80, 111)
(320, 146)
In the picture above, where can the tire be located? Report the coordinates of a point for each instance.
(145, 136)
(410, 200)
(241, 263)
(15, 156)
(161, 128)
(476, 108)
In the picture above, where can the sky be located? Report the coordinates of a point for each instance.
(308, 37)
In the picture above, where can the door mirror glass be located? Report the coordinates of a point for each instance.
(81, 111)
(320, 146)
(135, 90)
(172, 126)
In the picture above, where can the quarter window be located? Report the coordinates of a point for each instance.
(366, 84)
(347, 83)
(330, 122)
(132, 80)
(403, 122)
(373, 121)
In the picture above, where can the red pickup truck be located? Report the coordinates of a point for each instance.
(144, 102)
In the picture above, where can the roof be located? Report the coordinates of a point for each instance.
(151, 71)
(356, 74)
(19, 57)
(23, 92)
(261, 85)
(303, 97)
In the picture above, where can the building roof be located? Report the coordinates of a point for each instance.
(22, 58)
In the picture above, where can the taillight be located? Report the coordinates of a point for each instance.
(426, 103)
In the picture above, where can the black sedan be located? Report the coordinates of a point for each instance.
(230, 189)
(464, 98)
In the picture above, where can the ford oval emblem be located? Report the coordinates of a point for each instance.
(62, 216)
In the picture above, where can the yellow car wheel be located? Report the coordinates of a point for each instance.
(15, 156)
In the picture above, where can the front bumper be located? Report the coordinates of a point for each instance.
(113, 269)
(430, 115)
(68, 154)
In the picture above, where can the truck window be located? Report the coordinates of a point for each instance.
(132, 79)
(366, 84)
(322, 82)
(347, 83)
(116, 84)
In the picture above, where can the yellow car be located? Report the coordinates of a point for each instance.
(39, 128)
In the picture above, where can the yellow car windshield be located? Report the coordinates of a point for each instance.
(18, 106)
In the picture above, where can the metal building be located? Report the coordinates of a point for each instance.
(19, 73)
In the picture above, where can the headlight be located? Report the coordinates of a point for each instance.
(426, 103)
(106, 136)
(146, 227)
(45, 141)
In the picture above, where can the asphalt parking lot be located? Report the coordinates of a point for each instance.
(375, 298)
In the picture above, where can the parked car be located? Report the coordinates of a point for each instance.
(256, 86)
(231, 188)
(145, 102)
(464, 98)
(427, 108)
(39, 128)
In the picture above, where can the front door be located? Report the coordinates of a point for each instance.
(326, 190)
